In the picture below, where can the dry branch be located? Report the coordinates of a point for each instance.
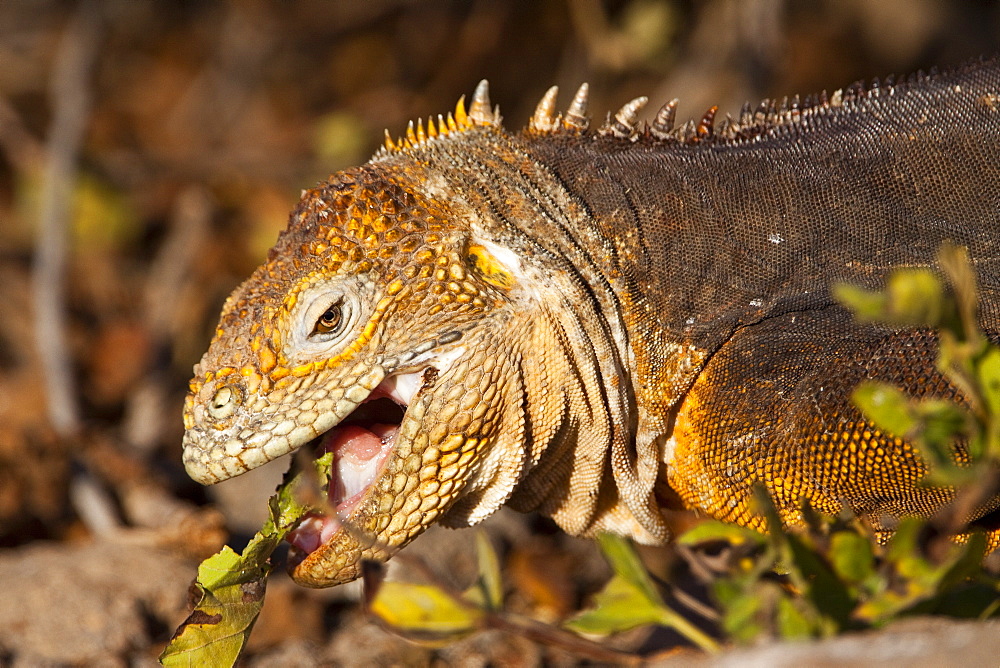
(71, 96)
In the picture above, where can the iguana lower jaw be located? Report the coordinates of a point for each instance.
(407, 475)
(401, 459)
(329, 543)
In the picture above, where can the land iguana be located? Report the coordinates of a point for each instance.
(604, 326)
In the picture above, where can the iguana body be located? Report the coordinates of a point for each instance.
(604, 326)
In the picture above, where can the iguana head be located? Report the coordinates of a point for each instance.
(371, 332)
(444, 357)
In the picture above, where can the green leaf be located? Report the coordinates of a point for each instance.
(431, 613)
(967, 561)
(286, 511)
(324, 466)
(620, 606)
(912, 297)
(232, 588)
(922, 587)
(741, 608)
(627, 565)
(215, 633)
(826, 593)
(792, 622)
(885, 407)
(988, 371)
(903, 549)
(712, 531)
(425, 610)
(630, 599)
(942, 423)
(852, 557)
(970, 600)
(915, 297)
(866, 306)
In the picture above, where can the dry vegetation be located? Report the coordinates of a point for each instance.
(149, 154)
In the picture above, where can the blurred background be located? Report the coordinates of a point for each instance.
(149, 155)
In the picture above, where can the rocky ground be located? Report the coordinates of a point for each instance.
(164, 143)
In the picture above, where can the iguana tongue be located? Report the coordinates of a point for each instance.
(358, 456)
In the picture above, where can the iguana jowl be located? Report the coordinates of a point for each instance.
(600, 326)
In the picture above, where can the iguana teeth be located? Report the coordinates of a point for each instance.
(401, 387)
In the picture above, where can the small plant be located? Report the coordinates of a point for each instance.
(630, 599)
(916, 297)
(230, 587)
(832, 575)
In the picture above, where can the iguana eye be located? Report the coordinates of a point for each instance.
(331, 321)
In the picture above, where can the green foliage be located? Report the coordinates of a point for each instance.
(912, 298)
(835, 577)
(630, 599)
(231, 591)
(433, 613)
(916, 297)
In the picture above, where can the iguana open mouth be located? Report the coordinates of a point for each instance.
(361, 445)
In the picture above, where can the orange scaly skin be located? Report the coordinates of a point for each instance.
(603, 326)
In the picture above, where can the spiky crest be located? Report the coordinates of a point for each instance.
(576, 117)
(479, 114)
(624, 124)
(545, 118)
(770, 116)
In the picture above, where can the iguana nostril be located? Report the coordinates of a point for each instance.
(224, 402)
